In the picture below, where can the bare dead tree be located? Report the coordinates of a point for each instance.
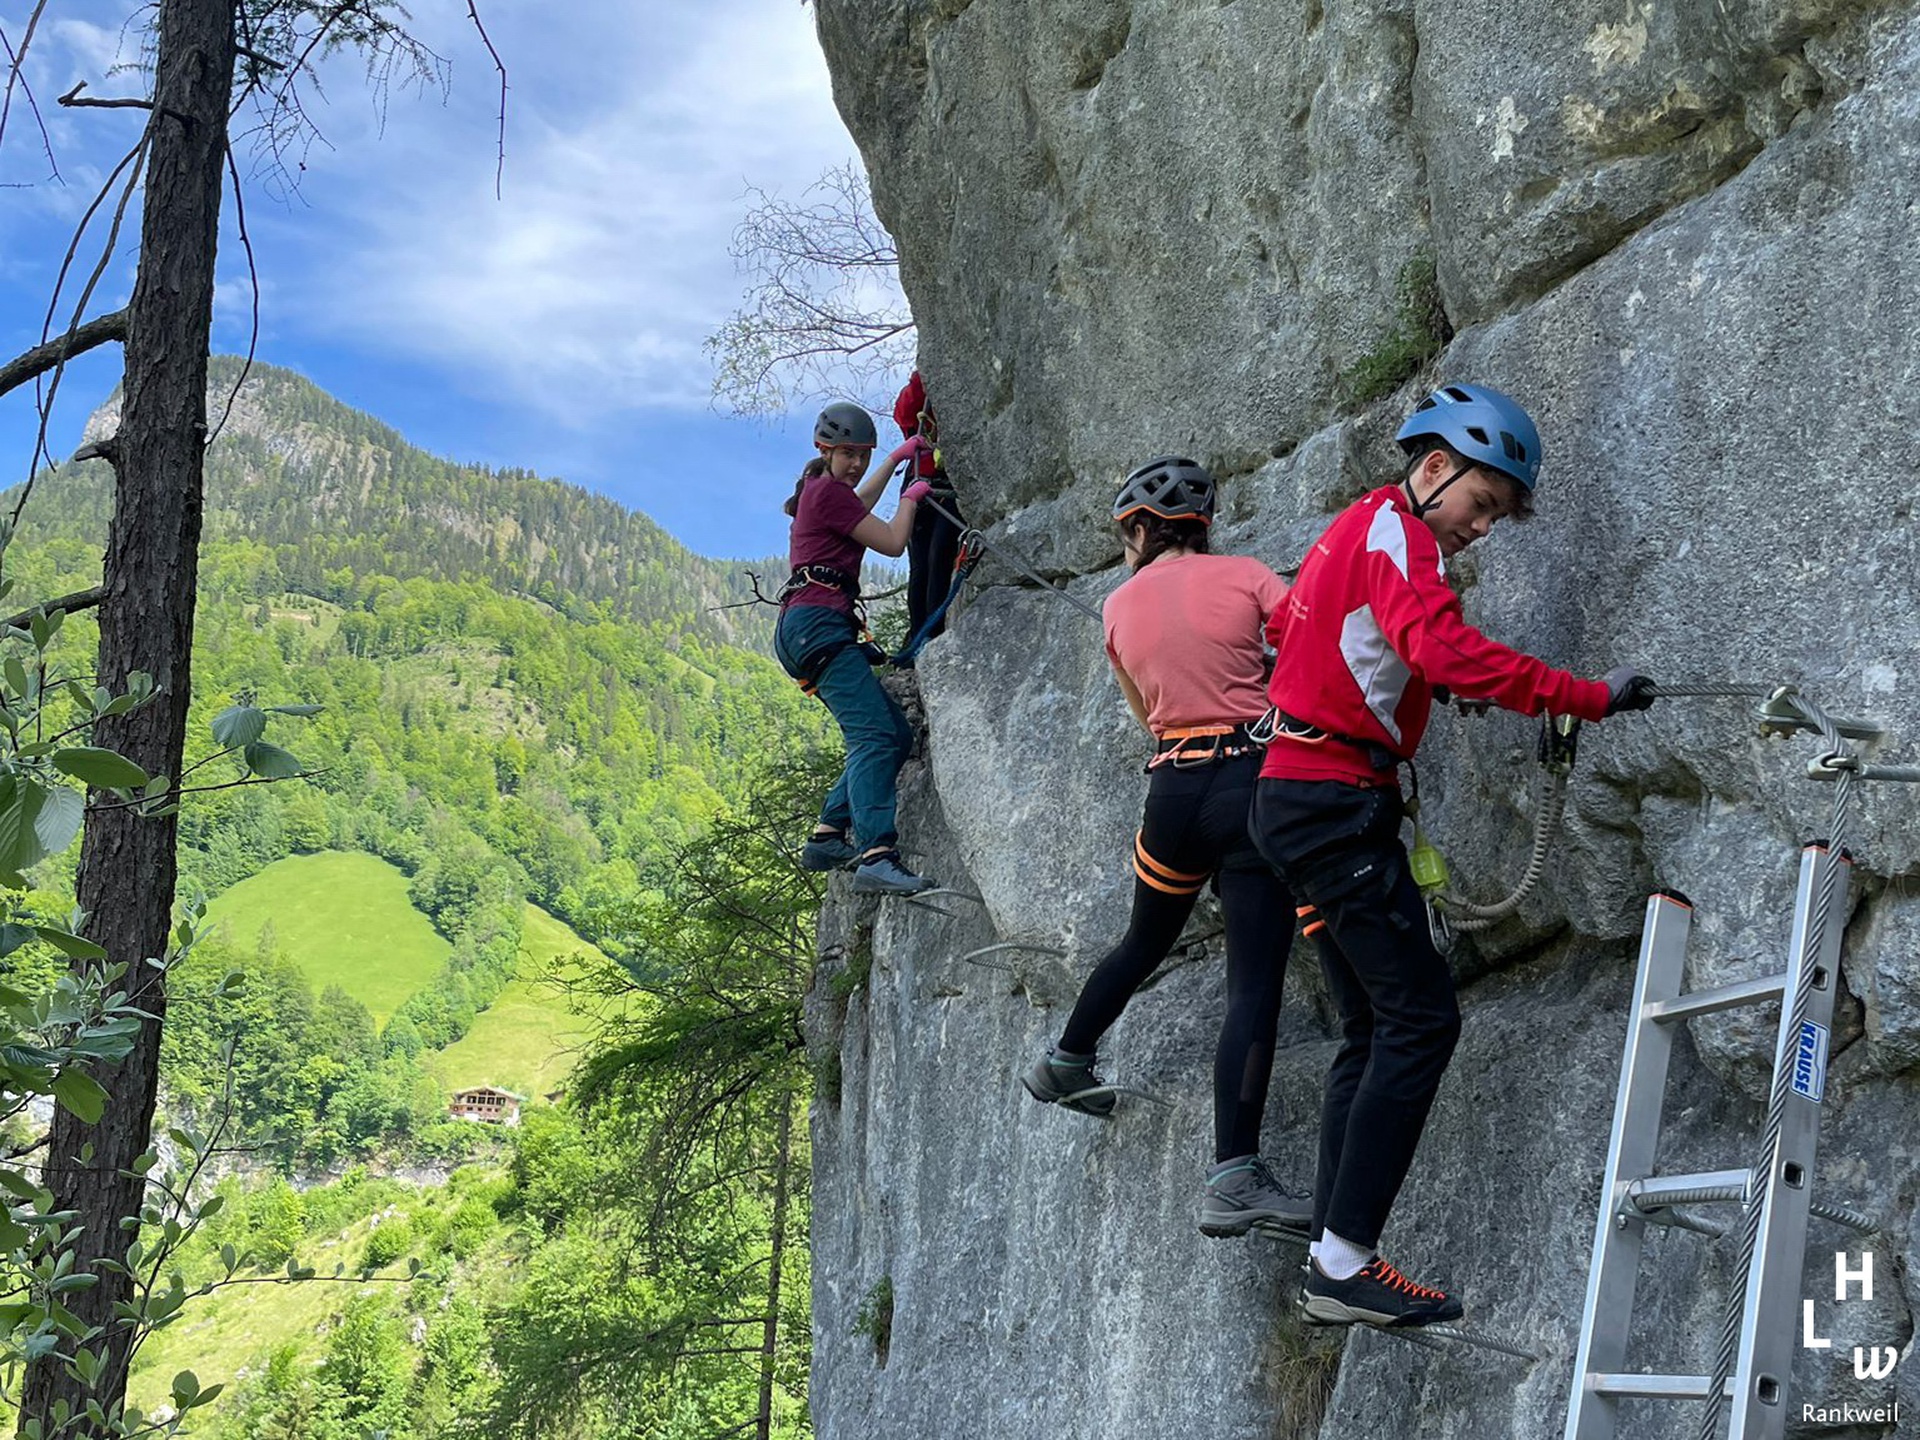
(823, 314)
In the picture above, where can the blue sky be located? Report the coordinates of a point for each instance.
(558, 328)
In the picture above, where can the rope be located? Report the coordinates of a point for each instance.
(971, 550)
(1782, 1079)
(1546, 822)
(995, 548)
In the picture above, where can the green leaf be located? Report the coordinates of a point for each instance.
(270, 762)
(239, 726)
(104, 768)
(15, 823)
(61, 812)
(301, 710)
(80, 1093)
(186, 1385)
(77, 947)
(16, 676)
(13, 936)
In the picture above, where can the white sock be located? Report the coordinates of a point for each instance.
(1339, 1259)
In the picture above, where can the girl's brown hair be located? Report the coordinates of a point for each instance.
(814, 467)
(1158, 535)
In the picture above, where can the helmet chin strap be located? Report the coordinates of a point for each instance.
(1421, 507)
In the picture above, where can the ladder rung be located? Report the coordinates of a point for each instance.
(1654, 1191)
(1654, 1387)
(1721, 997)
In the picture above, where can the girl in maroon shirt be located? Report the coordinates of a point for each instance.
(818, 641)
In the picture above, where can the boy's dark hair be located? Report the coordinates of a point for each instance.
(1158, 535)
(815, 466)
(1522, 501)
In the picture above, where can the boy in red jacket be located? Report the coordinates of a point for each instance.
(1368, 631)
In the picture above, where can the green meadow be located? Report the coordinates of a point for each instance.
(345, 919)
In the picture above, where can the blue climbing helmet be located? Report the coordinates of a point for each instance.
(1170, 486)
(1482, 425)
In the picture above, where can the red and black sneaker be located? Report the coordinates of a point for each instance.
(1377, 1294)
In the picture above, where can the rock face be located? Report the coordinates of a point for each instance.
(1684, 234)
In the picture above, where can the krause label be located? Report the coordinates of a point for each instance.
(1810, 1062)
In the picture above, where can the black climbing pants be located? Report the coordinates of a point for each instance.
(1338, 846)
(932, 547)
(1195, 828)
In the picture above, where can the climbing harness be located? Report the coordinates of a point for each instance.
(1227, 742)
(1754, 1359)
(1277, 722)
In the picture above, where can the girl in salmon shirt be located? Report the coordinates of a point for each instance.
(1185, 637)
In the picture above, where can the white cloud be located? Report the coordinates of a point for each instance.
(633, 133)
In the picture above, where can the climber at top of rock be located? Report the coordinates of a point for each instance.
(934, 544)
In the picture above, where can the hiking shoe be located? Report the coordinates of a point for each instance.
(1243, 1193)
(883, 874)
(1377, 1295)
(1069, 1082)
(827, 852)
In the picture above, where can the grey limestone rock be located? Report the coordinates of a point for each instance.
(1684, 235)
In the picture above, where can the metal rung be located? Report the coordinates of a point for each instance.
(1654, 1387)
(1721, 997)
(1655, 1192)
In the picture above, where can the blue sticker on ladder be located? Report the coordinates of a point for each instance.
(1810, 1062)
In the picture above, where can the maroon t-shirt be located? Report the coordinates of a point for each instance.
(823, 528)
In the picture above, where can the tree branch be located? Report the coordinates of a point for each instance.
(42, 358)
(500, 168)
(78, 600)
(17, 75)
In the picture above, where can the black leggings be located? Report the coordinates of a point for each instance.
(1339, 847)
(932, 547)
(1195, 826)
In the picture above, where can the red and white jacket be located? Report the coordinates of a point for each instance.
(1369, 628)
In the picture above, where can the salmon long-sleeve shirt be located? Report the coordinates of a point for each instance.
(1369, 628)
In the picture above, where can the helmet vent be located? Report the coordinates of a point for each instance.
(1478, 434)
(1515, 450)
(1455, 393)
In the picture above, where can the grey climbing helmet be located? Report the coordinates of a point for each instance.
(1482, 426)
(845, 423)
(1170, 486)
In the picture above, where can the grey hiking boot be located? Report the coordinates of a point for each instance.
(1067, 1080)
(827, 852)
(1242, 1193)
(883, 874)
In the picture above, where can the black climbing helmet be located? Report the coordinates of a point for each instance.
(1170, 486)
(845, 423)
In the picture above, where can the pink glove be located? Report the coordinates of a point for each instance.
(914, 447)
(918, 490)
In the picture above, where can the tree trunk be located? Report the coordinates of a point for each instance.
(127, 867)
(783, 1163)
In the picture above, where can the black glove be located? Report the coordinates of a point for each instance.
(1628, 689)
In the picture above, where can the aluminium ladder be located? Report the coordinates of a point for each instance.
(1632, 1196)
